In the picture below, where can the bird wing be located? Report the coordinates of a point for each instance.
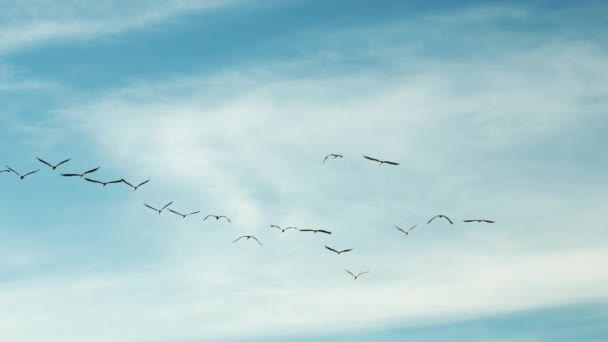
(92, 180)
(206, 217)
(409, 230)
(306, 230)
(327, 156)
(349, 272)
(324, 231)
(370, 158)
(70, 174)
(362, 273)
(289, 228)
(166, 205)
(253, 237)
(5, 171)
(274, 226)
(331, 249)
(226, 218)
(447, 218)
(400, 229)
(467, 221)
(115, 181)
(488, 221)
(91, 170)
(142, 183)
(13, 170)
(194, 212)
(434, 217)
(44, 162)
(238, 239)
(151, 207)
(390, 162)
(129, 184)
(29, 173)
(63, 162)
(346, 250)
(175, 212)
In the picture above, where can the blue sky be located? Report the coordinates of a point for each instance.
(492, 110)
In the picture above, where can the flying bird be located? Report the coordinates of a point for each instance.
(184, 215)
(217, 217)
(406, 232)
(440, 216)
(80, 174)
(102, 183)
(356, 276)
(54, 166)
(480, 221)
(315, 231)
(20, 175)
(158, 210)
(380, 162)
(248, 237)
(339, 252)
(282, 230)
(333, 156)
(134, 186)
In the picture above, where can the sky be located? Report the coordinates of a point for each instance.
(493, 110)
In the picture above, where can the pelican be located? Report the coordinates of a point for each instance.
(54, 166)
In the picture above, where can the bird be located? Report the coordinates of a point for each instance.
(159, 210)
(80, 174)
(20, 175)
(445, 217)
(248, 237)
(54, 166)
(355, 276)
(315, 231)
(282, 230)
(102, 183)
(480, 221)
(333, 156)
(134, 186)
(380, 161)
(339, 252)
(217, 217)
(184, 215)
(406, 232)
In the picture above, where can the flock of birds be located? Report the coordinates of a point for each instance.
(218, 217)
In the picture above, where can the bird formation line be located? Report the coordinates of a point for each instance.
(218, 217)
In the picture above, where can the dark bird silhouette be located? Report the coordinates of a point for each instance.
(217, 217)
(333, 156)
(356, 276)
(406, 232)
(480, 221)
(20, 175)
(158, 210)
(184, 215)
(440, 216)
(315, 231)
(339, 252)
(282, 230)
(380, 162)
(134, 186)
(102, 183)
(54, 166)
(5, 171)
(80, 174)
(248, 237)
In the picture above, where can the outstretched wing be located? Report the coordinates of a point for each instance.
(44, 162)
(92, 180)
(151, 207)
(434, 217)
(324, 231)
(29, 173)
(409, 230)
(114, 181)
(306, 230)
(256, 239)
(63, 162)
(327, 156)
(142, 183)
(349, 272)
(166, 205)
(227, 219)
(129, 184)
(238, 239)
(346, 250)
(289, 228)
(400, 229)
(17, 173)
(447, 218)
(370, 158)
(91, 170)
(390, 162)
(208, 216)
(194, 212)
(70, 175)
(331, 249)
(5, 171)
(175, 212)
(275, 226)
(362, 273)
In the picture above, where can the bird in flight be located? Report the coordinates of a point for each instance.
(248, 237)
(480, 221)
(339, 252)
(217, 217)
(80, 174)
(54, 166)
(184, 215)
(134, 186)
(20, 175)
(315, 231)
(406, 232)
(159, 210)
(356, 276)
(380, 162)
(333, 156)
(102, 183)
(282, 230)
(440, 216)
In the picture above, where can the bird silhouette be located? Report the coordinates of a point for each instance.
(315, 231)
(158, 210)
(333, 156)
(102, 183)
(134, 186)
(184, 215)
(480, 221)
(248, 237)
(5, 171)
(339, 252)
(380, 162)
(80, 174)
(440, 216)
(355, 276)
(217, 217)
(54, 166)
(20, 175)
(406, 232)
(282, 230)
